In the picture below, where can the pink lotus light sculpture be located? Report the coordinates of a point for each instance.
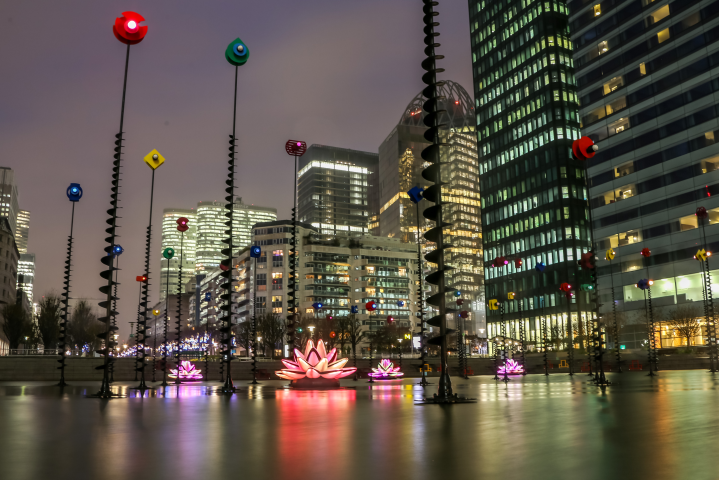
(188, 372)
(315, 368)
(511, 368)
(386, 371)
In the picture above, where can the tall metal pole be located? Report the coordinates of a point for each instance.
(107, 290)
(614, 318)
(66, 298)
(420, 302)
(145, 293)
(253, 342)
(178, 323)
(167, 325)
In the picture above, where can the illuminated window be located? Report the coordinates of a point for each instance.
(663, 36)
(597, 10)
(613, 84)
(658, 15)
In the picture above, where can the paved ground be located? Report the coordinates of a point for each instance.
(533, 428)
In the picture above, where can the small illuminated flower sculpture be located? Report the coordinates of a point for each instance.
(187, 372)
(315, 368)
(510, 367)
(386, 371)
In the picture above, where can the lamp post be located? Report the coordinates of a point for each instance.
(702, 256)
(295, 148)
(312, 332)
(415, 194)
(255, 253)
(128, 31)
(74, 194)
(153, 160)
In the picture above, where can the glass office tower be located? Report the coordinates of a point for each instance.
(336, 190)
(533, 193)
(171, 238)
(648, 77)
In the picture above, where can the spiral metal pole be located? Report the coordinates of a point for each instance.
(66, 301)
(711, 318)
(144, 303)
(433, 193)
(253, 342)
(616, 325)
(293, 280)
(107, 260)
(522, 337)
(503, 332)
(544, 339)
(420, 302)
(226, 330)
(167, 325)
(114, 316)
(178, 323)
(653, 343)
(137, 331)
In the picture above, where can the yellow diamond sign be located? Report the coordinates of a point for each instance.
(154, 159)
(510, 296)
(701, 255)
(493, 304)
(610, 254)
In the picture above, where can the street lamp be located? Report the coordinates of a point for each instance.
(312, 332)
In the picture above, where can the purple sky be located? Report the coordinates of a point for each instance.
(325, 71)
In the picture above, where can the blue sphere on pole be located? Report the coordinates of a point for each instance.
(74, 192)
(317, 305)
(255, 252)
(117, 250)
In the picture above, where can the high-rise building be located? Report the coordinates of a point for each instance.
(26, 274)
(8, 263)
(211, 229)
(336, 190)
(185, 248)
(22, 230)
(648, 77)
(401, 165)
(534, 200)
(9, 206)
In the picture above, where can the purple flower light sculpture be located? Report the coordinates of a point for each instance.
(511, 367)
(386, 371)
(188, 372)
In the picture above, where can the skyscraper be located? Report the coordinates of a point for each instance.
(22, 230)
(171, 238)
(336, 190)
(648, 86)
(9, 206)
(211, 229)
(26, 274)
(401, 168)
(534, 202)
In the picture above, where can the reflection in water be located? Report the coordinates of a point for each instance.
(550, 428)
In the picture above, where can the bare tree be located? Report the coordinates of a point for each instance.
(354, 335)
(48, 320)
(685, 322)
(84, 326)
(244, 336)
(272, 330)
(16, 324)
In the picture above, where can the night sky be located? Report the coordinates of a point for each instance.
(333, 72)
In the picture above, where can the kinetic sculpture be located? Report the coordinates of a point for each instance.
(255, 253)
(237, 55)
(415, 194)
(185, 372)
(386, 371)
(295, 148)
(127, 30)
(168, 253)
(153, 160)
(433, 194)
(315, 368)
(702, 256)
(182, 227)
(74, 194)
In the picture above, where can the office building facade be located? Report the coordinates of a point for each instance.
(648, 77)
(401, 166)
(534, 200)
(9, 206)
(184, 246)
(336, 190)
(26, 274)
(211, 229)
(22, 230)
